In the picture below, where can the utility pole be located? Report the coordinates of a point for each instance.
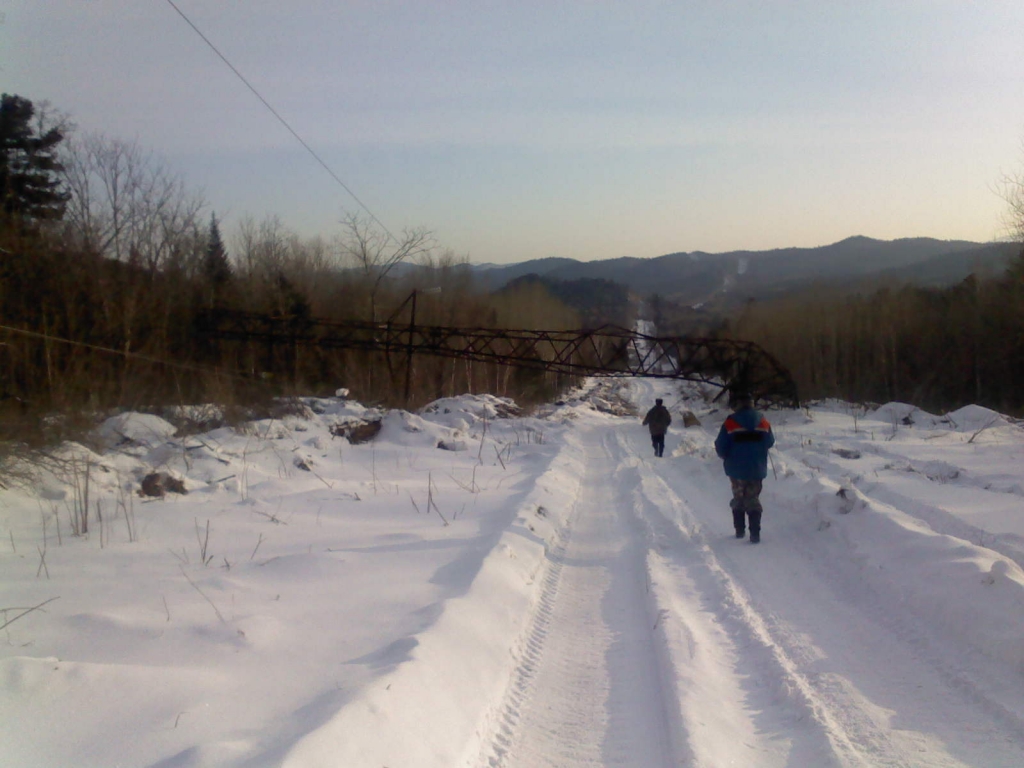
(410, 344)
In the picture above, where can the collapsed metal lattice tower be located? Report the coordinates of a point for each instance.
(606, 351)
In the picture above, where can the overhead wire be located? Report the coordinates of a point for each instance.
(125, 354)
(281, 120)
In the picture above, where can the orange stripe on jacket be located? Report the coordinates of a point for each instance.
(731, 425)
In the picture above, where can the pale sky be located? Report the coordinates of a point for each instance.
(591, 130)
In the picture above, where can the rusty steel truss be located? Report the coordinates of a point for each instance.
(606, 351)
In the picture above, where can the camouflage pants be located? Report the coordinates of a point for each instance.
(746, 503)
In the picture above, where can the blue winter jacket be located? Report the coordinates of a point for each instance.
(743, 443)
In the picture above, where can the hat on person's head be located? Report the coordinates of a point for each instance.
(657, 401)
(740, 397)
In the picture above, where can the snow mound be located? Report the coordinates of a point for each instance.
(131, 428)
(194, 418)
(460, 412)
(940, 471)
(410, 430)
(905, 414)
(339, 408)
(971, 418)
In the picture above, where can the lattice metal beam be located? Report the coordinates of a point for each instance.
(607, 351)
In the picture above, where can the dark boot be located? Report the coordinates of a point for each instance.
(739, 523)
(755, 525)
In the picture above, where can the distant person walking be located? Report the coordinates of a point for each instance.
(657, 420)
(743, 443)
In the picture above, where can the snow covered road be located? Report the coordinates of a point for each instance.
(586, 689)
(485, 591)
(659, 639)
(829, 672)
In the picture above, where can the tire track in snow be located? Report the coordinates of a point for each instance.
(969, 672)
(586, 688)
(852, 658)
(976, 672)
(846, 734)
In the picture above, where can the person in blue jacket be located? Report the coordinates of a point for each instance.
(743, 443)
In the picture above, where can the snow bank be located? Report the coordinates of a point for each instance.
(426, 712)
(967, 591)
(136, 429)
(971, 418)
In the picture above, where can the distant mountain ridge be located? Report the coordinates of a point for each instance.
(727, 279)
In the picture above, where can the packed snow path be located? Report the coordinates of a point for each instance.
(659, 639)
(587, 689)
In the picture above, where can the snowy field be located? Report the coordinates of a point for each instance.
(484, 589)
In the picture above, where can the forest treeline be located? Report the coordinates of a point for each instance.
(109, 265)
(939, 349)
(596, 301)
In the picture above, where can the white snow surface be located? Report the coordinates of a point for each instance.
(540, 591)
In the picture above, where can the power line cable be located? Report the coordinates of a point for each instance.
(125, 354)
(280, 119)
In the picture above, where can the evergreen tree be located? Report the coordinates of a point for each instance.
(30, 184)
(216, 266)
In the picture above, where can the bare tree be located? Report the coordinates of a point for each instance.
(262, 246)
(1011, 189)
(1013, 193)
(375, 253)
(126, 205)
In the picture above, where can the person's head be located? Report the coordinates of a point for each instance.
(657, 401)
(741, 399)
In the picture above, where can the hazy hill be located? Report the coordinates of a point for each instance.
(988, 260)
(728, 278)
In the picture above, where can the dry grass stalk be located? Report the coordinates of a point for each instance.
(24, 611)
(204, 542)
(430, 499)
(204, 596)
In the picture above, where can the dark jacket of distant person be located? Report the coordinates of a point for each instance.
(658, 419)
